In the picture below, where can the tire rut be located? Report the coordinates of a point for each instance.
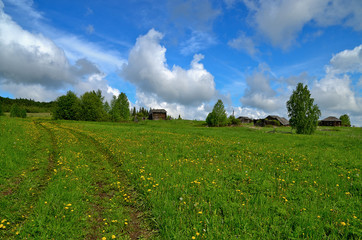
(138, 225)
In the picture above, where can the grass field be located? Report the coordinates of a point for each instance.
(177, 180)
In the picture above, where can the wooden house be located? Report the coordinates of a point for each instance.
(331, 121)
(245, 119)
(157, 114)
(271, 120)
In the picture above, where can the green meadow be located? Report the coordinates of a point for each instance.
(177, 180)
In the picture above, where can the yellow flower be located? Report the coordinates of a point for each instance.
(104, 238)
(193, 237)
(343, 223)
(113, 236)
(200, 212)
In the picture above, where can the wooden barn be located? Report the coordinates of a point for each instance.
(245, 119)
(157, 114)
(331, 121)
(273, 119)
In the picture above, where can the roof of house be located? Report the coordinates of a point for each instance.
(331, 119)
(242, 117)
(282, 120)
(158, 111)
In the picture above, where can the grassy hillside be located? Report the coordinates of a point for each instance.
(177, 180)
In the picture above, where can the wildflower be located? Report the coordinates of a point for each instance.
(193, 237)
(200, 212)
(104, 238)
(354, 217)
(343, 223)
(113, 236)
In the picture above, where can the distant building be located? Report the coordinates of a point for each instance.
(271, 120)
(245, 119)
(331, 121)
(157, 114)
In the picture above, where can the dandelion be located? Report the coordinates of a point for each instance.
(200, 212)
(104, 238)
(343, 223)
(193, 237)
(113, 236)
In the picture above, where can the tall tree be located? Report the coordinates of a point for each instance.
(218, 115)
(115, 111)
(302, 112)
(345, 120)
(92, 106)
(125, 112)
(67, 107)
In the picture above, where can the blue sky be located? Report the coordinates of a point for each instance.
(184, 55)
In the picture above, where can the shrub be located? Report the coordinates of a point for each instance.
(17, 111)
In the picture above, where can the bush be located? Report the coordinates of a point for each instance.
(17, 111)
(233, 120)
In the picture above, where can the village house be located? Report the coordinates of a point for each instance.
(157, 114)
(331, 121)
(245, 119)
(271, 120)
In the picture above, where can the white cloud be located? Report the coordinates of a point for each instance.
(30, 91)
(150, 100)
(282, 20)
(260, 94)
(197, 42)
(347, 61)
(148, 70)
(95, 82)
(244, 43)
(76, 48)
(30, 58)
(333, 93)
(33, 66)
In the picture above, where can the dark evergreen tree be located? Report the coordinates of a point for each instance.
(302, 112)
(125, 113)
(115, 112)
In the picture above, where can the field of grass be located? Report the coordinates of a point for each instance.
(177, 180)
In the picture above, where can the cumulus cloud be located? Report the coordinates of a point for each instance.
(35, 91)
(282, 20)
(33, 66)
(96, 81)
(150, 100)
(259, 93)
(148, 70)
(30, 58)
(335, 94)
(347, 61)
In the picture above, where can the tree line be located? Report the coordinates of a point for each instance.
(29, 105)
(91, 106)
